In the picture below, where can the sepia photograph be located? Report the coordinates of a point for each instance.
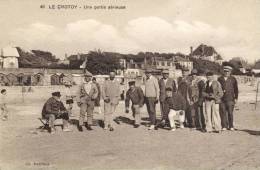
(129, 85)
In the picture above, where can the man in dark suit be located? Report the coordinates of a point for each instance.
(164, 83)
(230, 89)
(54, 109)
(183, 89)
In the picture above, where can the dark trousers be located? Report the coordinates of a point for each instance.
(188, 117)
(53, 117)
(200, 119)
(163, 112)
(193, 114)
(226, 114)
(151, 104)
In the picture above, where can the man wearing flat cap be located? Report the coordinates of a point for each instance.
(86, 96)
(230, 89)
(194, 91)
(183, 89)
(151, 97)
(136, 96)
(212, 95)
(54, 109)
(164, 83)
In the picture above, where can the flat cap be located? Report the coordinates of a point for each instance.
(148, 70)
(57, 93)
(131, 83)
(209, 73)
(194, 71)
(227, 68)
(165, 72)
(88, 74)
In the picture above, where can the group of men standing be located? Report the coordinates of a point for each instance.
(204, 104)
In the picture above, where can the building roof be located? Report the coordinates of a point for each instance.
(9, 52)
(42, 71)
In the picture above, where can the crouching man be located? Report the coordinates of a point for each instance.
(136, 95)
(54, 109)
(175, 105)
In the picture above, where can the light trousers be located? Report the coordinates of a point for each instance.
(86, 107)
(136, 114)
(212, 116)
(173, 113)
(109, 110)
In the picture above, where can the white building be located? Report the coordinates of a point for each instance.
(9, 57)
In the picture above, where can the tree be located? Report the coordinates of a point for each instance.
(101, 63)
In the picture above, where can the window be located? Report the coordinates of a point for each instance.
(163, 63)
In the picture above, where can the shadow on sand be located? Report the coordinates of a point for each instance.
(251, 132)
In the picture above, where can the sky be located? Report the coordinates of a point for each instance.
(232, 27)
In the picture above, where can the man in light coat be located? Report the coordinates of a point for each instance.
(151, 97)
(86, 96)
(111, 96)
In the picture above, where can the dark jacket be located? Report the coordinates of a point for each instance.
(176, 102)
(162, 86)
(136, 97)
(229, 87)
(201, 86)
(183, 87)
(52, 106)
(213, 92)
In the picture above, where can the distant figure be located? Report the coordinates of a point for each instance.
(86, 96)
(164, 83)
(229, 99)
(54, 109)
(151, 97)
(4, 110)
(69, 97)
(175, 105)
(97, 100)
(212, 95)
(136, 95)
(111, 96)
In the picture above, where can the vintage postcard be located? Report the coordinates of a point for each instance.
(129, 84)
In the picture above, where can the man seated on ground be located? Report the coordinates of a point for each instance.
(175, 105)
(54, 109)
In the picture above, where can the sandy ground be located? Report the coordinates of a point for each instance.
(22, 146)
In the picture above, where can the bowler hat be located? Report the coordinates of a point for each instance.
(57, 93)
(131, 83)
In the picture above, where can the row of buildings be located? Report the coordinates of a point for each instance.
(133, 67)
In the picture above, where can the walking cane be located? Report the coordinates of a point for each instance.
(256, 94)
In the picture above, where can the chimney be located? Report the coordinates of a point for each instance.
(191, 50)
(203, 49)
